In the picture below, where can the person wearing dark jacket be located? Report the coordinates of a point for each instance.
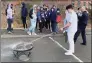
(39, 19)
(47, 17)
(82, 23)
(24, 14)
(53, 15)
(42, 21)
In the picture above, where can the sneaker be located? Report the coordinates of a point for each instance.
(51, 30)
(64, 31)
(71, 51)
(53, 33)
(68, 53)
(29, 33)
(34, 34)
(83, 43)
(9, 32)
(26, 29)
(57, 32)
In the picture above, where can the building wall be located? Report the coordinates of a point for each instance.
(82, 3)
(58, 3)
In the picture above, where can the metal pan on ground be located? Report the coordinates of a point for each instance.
(22, 49)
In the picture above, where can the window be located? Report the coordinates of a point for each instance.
(89, 5)
(73, 3)
(79, 3)
(84, 3)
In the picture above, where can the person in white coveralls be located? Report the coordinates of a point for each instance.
(71, 27)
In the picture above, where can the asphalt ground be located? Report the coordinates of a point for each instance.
(47, 47)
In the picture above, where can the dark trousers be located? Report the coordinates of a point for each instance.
(81, 29)
(40, 26)
(53, 25)
(36, 24)
(24, 22)
(45, 23)
(9, 21)
(48, 24)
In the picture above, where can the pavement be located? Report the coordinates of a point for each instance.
(47, 47)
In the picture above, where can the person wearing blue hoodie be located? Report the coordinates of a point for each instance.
(53, 15)
(38, 16)
(39, 19)
(24, 14)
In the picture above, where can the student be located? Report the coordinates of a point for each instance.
(58, 18)
(82, 23)
(53, 15)
(33, 20)
(24, 14)
(38, 16)
(71, 27)
(9, 15)
(45, 16)
(48, 18)
(13, 12)
(42, 21)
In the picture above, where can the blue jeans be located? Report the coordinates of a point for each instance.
(54, 25)
(33, 25)
(57, 27)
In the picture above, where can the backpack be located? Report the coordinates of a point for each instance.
(6, 12)
(59, 18)
(30, 13)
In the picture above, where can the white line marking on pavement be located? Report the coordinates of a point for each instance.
(39, 38)
(16, 36)
(65, 49)
(14, 28)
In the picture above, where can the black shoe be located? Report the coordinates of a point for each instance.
(53, 33)
(83, 44)
(74, 42)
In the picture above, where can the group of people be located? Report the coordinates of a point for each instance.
(45, 16)
(74, 22)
